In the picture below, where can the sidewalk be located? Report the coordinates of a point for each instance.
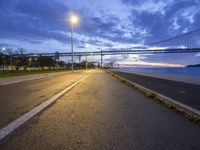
(17, 79)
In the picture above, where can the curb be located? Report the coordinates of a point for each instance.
(185, 110)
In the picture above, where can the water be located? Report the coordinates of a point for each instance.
(188, 71)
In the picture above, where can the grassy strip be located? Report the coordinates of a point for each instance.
(153, 96)
(23, 73)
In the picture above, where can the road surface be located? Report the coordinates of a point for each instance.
(102, 113)
(183, 92)
(16, 99)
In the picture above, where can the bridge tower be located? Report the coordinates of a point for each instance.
(101, 58)
(79, 59)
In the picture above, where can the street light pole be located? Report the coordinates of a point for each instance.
(72, 28)
(73, 21)
(86, 60)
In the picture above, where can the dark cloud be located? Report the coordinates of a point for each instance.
(39, 20)
(32, 21)
(159, 25)
(8, 45)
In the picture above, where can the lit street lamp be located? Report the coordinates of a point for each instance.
(10, 53)
(73, 21)
(3, 49)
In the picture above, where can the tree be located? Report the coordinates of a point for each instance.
(1, 59)
(6, 60)
(61, 64)
(35, 62)
(46, 61)
(22, 59)
(10, 57)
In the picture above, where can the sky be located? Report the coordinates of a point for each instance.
(43, 26)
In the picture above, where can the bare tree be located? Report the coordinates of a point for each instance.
(21, 51)
(23, 59)
(10, 53)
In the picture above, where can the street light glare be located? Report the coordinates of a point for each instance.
(87, 45)
(74, 19)
(3, 48)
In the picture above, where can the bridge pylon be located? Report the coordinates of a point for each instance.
(101, 58)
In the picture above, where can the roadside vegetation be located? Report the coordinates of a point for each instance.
(17, 65)
(23, 73)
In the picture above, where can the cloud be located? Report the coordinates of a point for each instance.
(146, 61)
(42, 20)
(2, 45)
(149, 6)
(175, 25)
(164, 19)
(30, 21)
(114, 24)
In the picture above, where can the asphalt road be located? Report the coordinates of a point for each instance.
(185, 93)
(102, 113)
(16, 99)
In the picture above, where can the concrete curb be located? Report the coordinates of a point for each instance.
(187, 111)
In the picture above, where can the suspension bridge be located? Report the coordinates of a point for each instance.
(186, 43)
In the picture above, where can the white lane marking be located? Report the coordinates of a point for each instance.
(27, 116)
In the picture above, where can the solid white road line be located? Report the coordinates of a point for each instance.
(27, 116)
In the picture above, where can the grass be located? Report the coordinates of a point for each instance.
(151, 95)
(23, 73)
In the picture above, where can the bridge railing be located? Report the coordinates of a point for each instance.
(111, 52)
